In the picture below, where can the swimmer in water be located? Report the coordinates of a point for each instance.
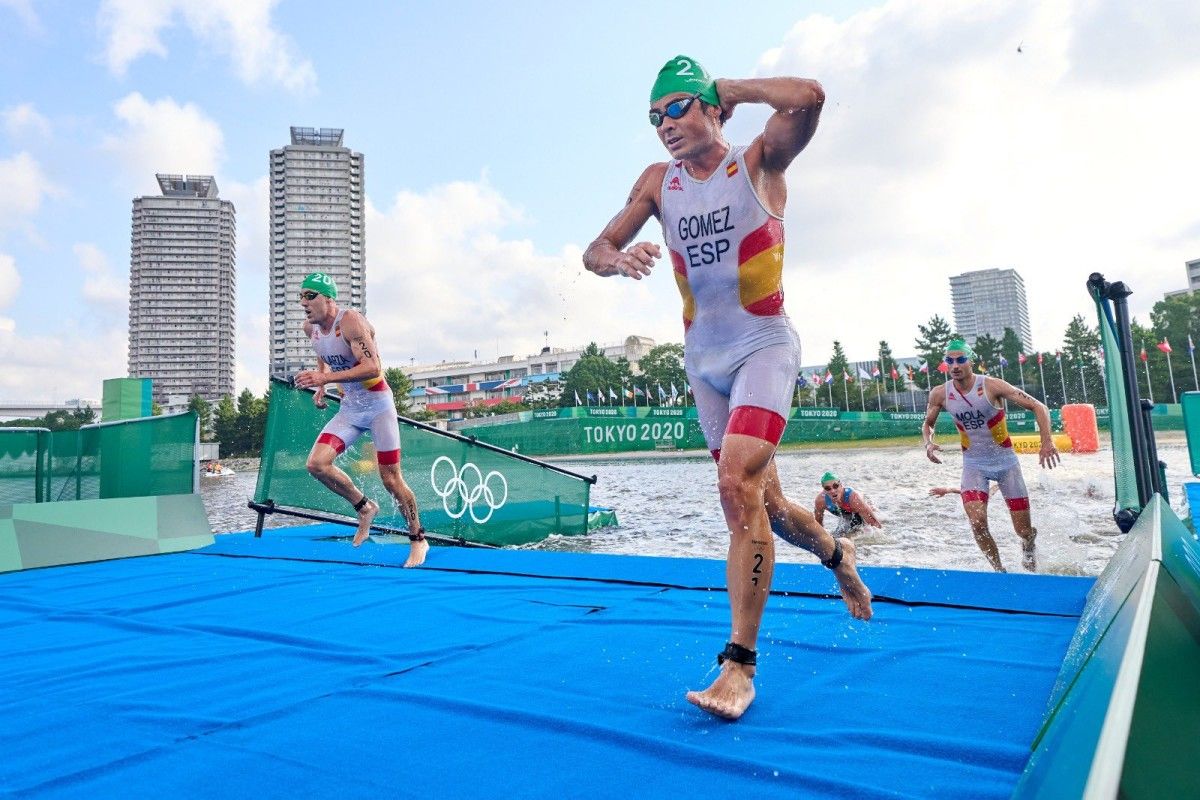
(721, 208)
(850, 507)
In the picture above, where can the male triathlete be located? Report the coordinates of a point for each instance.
(346, 355)
(721, 209)
(850, 507)
(976, 403)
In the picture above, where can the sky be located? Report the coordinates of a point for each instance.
(1054, 137)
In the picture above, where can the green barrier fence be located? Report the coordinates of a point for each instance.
(465, 489)
(22, 464)
(146, 457)
(576, 431)
(1191, 416)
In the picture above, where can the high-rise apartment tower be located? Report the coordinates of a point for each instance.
(989, 300)
(183, 289)
(316, 226)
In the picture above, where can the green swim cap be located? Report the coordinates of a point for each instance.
(961, 344)
(684, 74)
(321, 283)
(828, 476)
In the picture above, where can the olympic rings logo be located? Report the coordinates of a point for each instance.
(470, 486)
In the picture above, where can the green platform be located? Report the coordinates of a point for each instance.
(48, 534)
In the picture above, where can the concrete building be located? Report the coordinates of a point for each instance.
(450, 387)
(183, 289)
(317, 225)
(989, 300)
(1192, 269)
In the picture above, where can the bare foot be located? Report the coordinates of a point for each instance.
(416, 554)
(365, 517)
(854, 591)
(730, 694)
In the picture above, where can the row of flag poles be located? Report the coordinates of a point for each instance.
(1165, 347)
(815, 381)
(634, 393)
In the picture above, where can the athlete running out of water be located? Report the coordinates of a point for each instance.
(721, 209)
(346, 354)
(976, 403)
(850, 507)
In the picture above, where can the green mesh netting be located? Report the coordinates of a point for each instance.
(143, 457)
(22, 463)
(1124, 472)
(134, 458)
(1191, 417)
(463, 489)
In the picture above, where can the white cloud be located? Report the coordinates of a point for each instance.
(943, 150)
(240, 29)
(163, 137)
(70, 363)
(24, 119)
(447, 280)
(24, 10)
(101, 285)
(25, 185)
(10, 280)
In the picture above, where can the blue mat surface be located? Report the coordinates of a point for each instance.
(294, 665)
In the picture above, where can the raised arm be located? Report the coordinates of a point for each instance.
(819, 509)
(607, 254)
(1048, 455)
(936, 400)
(797, 103)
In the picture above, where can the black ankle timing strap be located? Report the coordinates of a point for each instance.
(836, 558)
(359, 505)
(419, 536)
(737, 653)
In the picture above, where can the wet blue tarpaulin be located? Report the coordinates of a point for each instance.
(296, 665)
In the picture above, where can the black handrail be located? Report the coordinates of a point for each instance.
(269, 507)
(1147, 471)
(457, 436)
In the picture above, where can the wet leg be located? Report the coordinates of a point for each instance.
(977, 516)
(394, 481)
(748, 571)
(796, 525)
(320, 465)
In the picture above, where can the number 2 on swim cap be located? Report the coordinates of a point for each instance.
(686, 69)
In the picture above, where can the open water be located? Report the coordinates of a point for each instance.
(667, 506)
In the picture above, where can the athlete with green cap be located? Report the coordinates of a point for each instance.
(320, 283)
(346, 355)
(721, 208)
(850, 507)
(976, 402)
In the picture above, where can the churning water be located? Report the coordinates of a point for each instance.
(668, 506)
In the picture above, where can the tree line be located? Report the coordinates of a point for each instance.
(1072, 373)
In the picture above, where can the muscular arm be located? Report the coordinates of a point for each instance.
(942, 491)
(797, 103)
(359, 334)
(860, 505)
(606, 255)
(997, 388)
(819, 509)
(936, 400)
